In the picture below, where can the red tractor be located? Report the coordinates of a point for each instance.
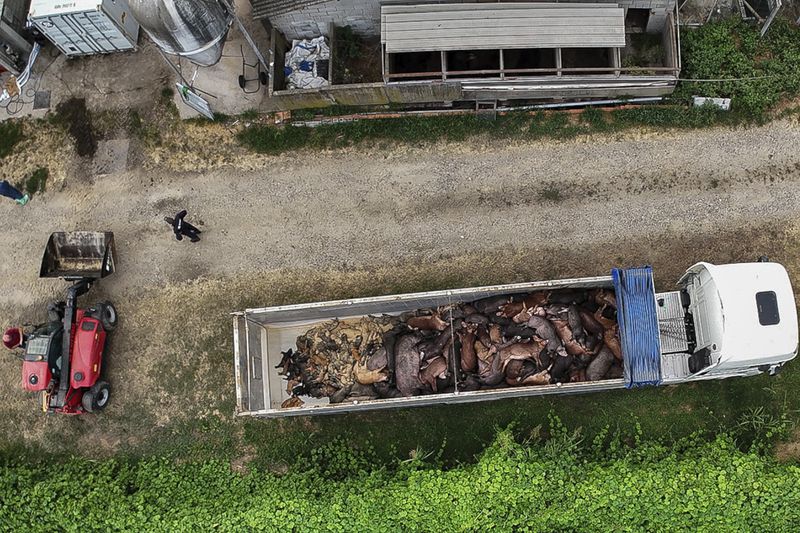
(72, 385)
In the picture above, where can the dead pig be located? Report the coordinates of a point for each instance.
(545, 330)
(469, 358)
(407, 361)
(600, 365)
(431, 322)
(436, 369)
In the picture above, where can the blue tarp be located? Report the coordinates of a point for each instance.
(638, 325)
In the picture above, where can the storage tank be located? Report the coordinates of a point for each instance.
(194, 29)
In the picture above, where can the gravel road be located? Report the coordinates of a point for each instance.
(633, 197)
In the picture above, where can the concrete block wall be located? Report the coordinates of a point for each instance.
(364, 16)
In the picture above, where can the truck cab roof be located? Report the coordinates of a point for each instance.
(758, 316)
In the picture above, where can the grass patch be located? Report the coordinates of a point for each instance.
(270, 139)
(250, 114)
(10, 136)
(36, 181)
(551, 193)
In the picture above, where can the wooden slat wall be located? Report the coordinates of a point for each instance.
(436, 27)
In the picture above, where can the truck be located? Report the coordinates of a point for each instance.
(722, 321)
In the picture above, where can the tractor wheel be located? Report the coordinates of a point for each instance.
(96, 398)
(108, 315)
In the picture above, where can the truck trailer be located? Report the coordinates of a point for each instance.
(722, 321)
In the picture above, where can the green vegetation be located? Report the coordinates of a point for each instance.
(733, 49)
(36, 181)
(520, 125)
(562, 483)
(10, 135)
(551, 193)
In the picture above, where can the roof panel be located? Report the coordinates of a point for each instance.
(435, 27)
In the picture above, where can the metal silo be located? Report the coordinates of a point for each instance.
(194, 29)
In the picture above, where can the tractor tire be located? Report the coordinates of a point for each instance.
(96, 398)
(108, 315)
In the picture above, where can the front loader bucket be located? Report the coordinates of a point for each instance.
(78, 255)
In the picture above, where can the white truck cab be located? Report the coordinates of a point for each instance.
(743, 315)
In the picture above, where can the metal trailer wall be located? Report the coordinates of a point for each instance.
(261, 334)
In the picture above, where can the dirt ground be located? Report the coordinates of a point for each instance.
(363, 222)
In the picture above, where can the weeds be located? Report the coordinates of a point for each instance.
(36, 181)
(10, 136)
(761, 71)
(551, 193)
(520, 125)
(761, 428)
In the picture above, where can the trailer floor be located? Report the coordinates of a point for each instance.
(353, 223)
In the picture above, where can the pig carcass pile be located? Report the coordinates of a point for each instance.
(539, 338)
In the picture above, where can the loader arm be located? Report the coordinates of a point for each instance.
(70, 311)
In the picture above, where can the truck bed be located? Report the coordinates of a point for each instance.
(260, 335)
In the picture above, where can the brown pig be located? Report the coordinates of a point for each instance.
(469, 358)
(431, 322)
(536, 299)
(523, 316)
(540, 378)
(436, 369)
(510, 310)
(603, 297)
(565, 334)
(611, 340)
(589, 322)
(495, 334)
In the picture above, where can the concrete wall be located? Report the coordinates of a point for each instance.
(545, 88)
(367, 94)
(364, 16)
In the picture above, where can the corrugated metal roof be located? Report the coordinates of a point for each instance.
(489, 26)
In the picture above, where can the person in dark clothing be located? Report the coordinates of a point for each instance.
(182, 228)
(9, 191)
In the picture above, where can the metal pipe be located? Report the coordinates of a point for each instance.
(587, 103)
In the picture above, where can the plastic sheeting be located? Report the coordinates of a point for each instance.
(303, 67)
(638, 325)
